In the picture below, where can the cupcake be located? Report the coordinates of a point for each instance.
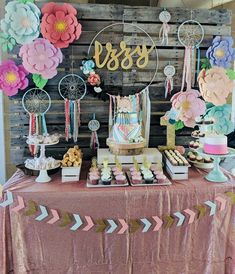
(148, 176)
(207, 160)
(135, 173)
(106, 179)
(199, 159)
(161, 178)
(158, 172)
(192, 157)
(120, 179)
(132, 168)
(118, 172)
(137, 179)
(94, 179)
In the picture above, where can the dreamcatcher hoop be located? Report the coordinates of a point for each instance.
(72, 83)
(38, 96)
(138, 27)
(190, 23)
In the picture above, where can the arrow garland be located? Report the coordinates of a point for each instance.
(76, 222)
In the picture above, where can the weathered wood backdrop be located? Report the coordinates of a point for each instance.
(93, 17)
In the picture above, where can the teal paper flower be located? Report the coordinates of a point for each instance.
(221, 117)
(21, 21)
(88, 66)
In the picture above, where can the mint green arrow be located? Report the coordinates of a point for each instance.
(43, 214)
(212, 207)
(113, 226)
(146, 223)
(181, 218)
(8, 201)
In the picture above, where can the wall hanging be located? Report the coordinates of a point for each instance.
(169, 72)
(164, 17)
(94, 126)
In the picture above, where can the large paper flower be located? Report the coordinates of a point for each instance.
(215, 85)
(59, 24)
(221, 117)
(190, 106)
(21, 21)
(12, 77)
(221, 52)
(41, 57)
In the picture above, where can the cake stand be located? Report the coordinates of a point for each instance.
(216, 175)
(43, 175)
(125, 148)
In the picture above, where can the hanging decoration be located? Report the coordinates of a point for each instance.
(94, 126)
(41, 58)
(215, 85)
(21, 23)
(12, 78)
(59, 24)
(72, 88)
(77, 222)
(36, 102)
(169, 72)
(221, 53)
(164, 17)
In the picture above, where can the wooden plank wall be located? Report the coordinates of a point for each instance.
(93, 17)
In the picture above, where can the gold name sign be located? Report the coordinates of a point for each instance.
(112, 57)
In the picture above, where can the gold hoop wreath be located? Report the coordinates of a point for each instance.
(90, 64)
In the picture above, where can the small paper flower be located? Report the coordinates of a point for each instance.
(189, 105)
(215, 85)
(94, 79)
(172, 116)
(59, 24)
(221, 52)
(87, 66)
(221, 117)
(12, 77)
(21, 21)
(41, 57)
(97, 89)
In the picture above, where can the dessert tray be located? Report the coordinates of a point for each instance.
(203, 163)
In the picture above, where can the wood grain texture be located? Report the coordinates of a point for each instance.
(93, 18)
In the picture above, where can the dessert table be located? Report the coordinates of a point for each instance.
(206, 246)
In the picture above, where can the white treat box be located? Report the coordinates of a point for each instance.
(176, 172)
(71, 174)
(177, 176)
(152, 154)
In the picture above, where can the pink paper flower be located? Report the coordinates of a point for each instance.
(59, 24)
(94, 79)
(41, 57)
(189, 105)
(12, 77)
(215, 85)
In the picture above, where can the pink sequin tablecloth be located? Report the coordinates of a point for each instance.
(206, 246)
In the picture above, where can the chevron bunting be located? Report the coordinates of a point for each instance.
(181, 218)
(201, 211)
(20, 205)
(159, 223)
(168, 221)
(78, 223)
(43, 214)
(112, 227)
(222, 202)
(9, 200)
(231, 195)
(124, 226)
(89, 225)
(55, 217)
(100, 225)
(134, 225)
(212, 207)
(66, 219)
(32, 208)
(146, 223)
(191, 214)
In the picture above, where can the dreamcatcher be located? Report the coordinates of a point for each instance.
(36, 103)
(72, 89)
(94, 126)
(190, 35)
(169, 72)
(164, 17)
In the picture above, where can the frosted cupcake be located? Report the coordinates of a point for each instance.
(135, 173)
(118, 172)
(148, 176)
(161, 178)
(106, 179)
(120, 179)
(137, 179)
(94, 179)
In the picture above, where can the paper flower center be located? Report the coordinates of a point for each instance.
(186, 105)
(219, 53)
(25, 22)
(11, 77)
(60, 26)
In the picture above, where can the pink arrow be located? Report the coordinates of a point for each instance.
(191, 214)
(55, 218)
(20, 205)
(124, 226)
(222, 201)
(159, 223)
(89, 225)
